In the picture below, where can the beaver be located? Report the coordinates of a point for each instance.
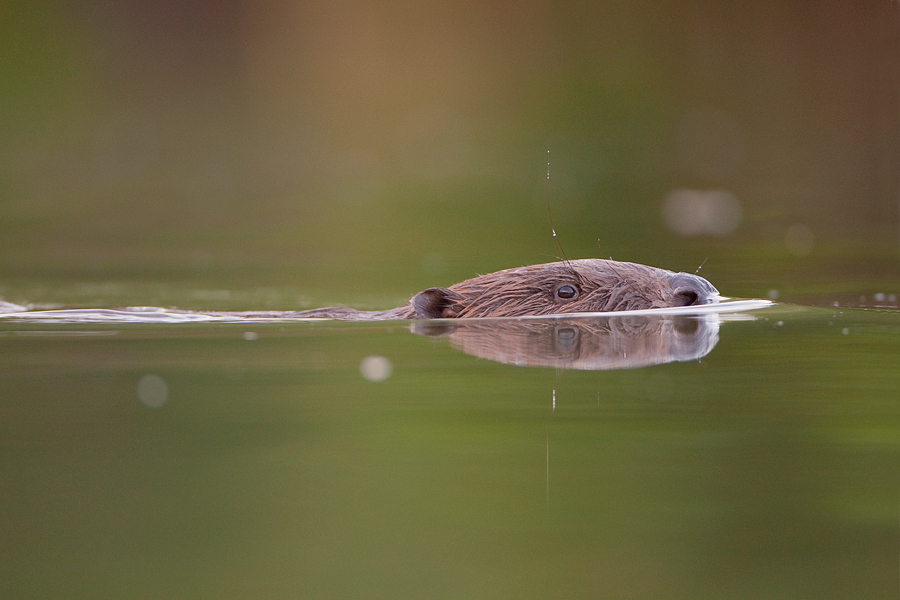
(567, 287)
(570, 286)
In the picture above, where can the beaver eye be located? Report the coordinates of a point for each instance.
(566, 292)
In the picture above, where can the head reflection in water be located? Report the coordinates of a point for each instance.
(584, 343)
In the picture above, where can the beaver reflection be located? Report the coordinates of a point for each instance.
(583, 343)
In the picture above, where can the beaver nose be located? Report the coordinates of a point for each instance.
(692, 290)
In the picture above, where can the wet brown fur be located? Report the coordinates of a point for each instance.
(603, 285)
(600, 285)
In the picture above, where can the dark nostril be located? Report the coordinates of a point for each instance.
(690, 290)
(686, 298)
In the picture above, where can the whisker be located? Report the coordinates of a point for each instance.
(701, 265)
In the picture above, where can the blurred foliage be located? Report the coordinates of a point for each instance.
(364, 151)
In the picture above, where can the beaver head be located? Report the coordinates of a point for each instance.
(576, 286)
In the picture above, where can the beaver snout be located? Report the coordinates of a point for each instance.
(692, 290)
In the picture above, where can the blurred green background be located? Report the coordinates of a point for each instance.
(291, 154)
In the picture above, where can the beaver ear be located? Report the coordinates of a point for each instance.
(437, 303)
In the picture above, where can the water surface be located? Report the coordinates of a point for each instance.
(231, 459)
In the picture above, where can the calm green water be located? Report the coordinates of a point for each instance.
(282, 156)
(256, 460)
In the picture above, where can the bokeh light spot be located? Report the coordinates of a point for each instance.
(152, 391)
(702, 212)
(376, 368)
